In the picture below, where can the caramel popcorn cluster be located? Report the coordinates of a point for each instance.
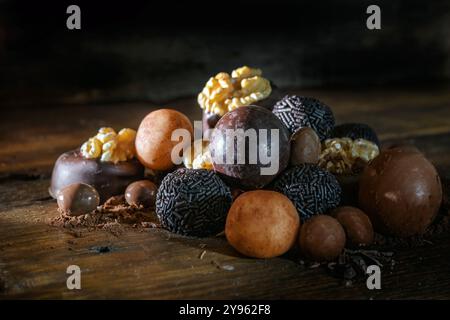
(347, 156)
(224, 93)
(197, 156)
(110, 146)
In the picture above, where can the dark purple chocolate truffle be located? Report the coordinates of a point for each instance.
(298, 112)
(311, 189)
(240, 162)
(193, 202)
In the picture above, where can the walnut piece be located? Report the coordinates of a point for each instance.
(347, 156)
(224, 93)
(110, 146)
(197, 156)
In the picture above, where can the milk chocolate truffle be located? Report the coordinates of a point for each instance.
(240, 157)
(262, 224)
(77, 199)
(356, 224)
(141, 193)
(297, 112)
(108, 178)
(311, 189)
(305, 147)
(401, 192)
(322, 238)
(193, 202)
(153, 140)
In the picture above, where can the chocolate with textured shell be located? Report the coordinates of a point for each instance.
(107, 178)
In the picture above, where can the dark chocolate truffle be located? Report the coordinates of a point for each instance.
(234, 159)
(311, 189)
(297, 112)
(305, 147)
(322, 238)
(355, 131)
(141, 193)
(77, 198)
(401, 192)
(107, 178)
(193, 202)
(356, 223)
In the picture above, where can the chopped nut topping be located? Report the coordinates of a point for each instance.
(197, 156)
(224, 93)
(110, 146)
(347, 156)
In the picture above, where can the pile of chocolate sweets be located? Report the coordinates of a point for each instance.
(332, 187)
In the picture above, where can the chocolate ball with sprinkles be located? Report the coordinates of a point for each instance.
(312, 189)
(355, 131)
(298, 112)
(193, 202)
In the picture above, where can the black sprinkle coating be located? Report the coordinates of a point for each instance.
(297, 112)
(311, 189)
(193, 202)
(355, 131)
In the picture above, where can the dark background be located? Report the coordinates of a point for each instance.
(158, 51)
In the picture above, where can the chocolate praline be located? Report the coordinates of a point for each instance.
(356, 223)
(107, 178)
(77, 198)
(141, 193)
(401, 192)
(305, 147)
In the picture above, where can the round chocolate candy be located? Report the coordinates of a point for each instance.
(108, 178)
(193, 202)
(77, 199)
(322, 238)
(154, 138)
(305, 147)
(311, 189)
(262, 224)
(401, 192)
(355, 131)
(141, 193)
(297, 112)
(249, 147)
(356, 223)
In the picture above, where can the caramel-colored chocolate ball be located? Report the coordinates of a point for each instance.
(153, 139)
(356, 223)
(77, 199)
(322, 238)
(401, 192)
(305, 147)
(141, 193)
(262, 224)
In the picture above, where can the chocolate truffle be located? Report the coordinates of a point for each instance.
(322, 238)
(401, 192)
(262, 224)
(107, 178)
(242, 139)
(77, 199)
(297, 112)
(141, 193)
(355, 131)
(311, 189)
(193, 202)
(356, 223)
(154, 138)
(305, 147)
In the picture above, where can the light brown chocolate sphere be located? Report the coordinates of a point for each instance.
(153, 139)
(305, 147)
(356, 223)
(322, 238)
(262, 224)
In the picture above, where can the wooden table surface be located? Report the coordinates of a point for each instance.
(155, 264)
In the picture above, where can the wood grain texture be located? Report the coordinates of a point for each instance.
(154, 264)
